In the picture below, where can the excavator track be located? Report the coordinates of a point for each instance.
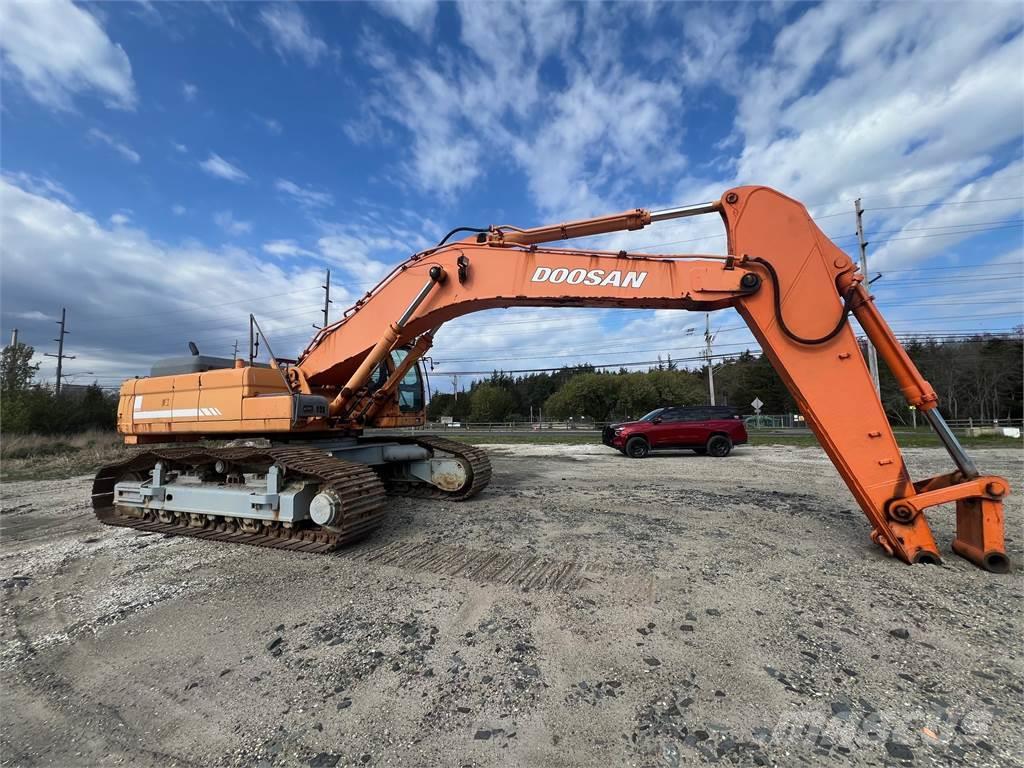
(356, 485)
(478, 463)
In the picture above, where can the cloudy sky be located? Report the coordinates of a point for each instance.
(168, 168)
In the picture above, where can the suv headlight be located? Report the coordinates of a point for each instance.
(619, 430)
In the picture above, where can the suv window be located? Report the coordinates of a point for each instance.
(721, 412)
(690, 414)
(673, 414)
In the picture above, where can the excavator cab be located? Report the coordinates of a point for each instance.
(394, 395)
(411, 398)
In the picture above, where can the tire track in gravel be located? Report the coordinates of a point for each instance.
(526, 570)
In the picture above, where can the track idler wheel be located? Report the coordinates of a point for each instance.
(326, 509)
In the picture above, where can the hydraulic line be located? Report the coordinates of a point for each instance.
(777, 298)
(457, 230)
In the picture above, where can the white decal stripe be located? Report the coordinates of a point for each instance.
(175, 413)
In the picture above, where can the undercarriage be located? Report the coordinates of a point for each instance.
(311, 497)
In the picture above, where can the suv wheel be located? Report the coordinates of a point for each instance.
(719, 446)
(637, 448)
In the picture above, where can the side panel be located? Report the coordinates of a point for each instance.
(231, 400)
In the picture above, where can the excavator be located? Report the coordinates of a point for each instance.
(299, 471)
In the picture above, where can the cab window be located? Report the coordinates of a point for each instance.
(410, 388)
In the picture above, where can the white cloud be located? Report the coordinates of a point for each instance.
(304, 195)
(120, 219)
(845, 98)
(273, 126)
(285, 248)
(232, 226)
(178, 210)
(291, 33)
(600, 126)
(189, 91)
(355, 252)
(39, 185)
(120, 147)
(32, 315)
(215, 165)
(206, 301)
(57, 50)
(369, 245)
(933, 78)
(179, 148)
(950, 223)
(417, 15)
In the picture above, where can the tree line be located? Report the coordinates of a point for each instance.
(30, 408)
(981, 378)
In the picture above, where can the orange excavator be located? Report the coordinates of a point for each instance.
(316, 482)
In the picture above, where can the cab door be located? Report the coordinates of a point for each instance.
(410, 388)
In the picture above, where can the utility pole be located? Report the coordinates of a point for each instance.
(455, 386)
(711, 374)
(327, 302)
(872, 354)
(14, 337)
(61, 357)
(234, 352)
(327, 299)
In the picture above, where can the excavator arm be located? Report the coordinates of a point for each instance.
(789, 282)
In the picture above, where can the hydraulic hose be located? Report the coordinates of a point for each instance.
(460, 229)
(777, 298)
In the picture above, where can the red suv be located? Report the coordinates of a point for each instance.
(709, 429)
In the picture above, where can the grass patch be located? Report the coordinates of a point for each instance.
(43, 457)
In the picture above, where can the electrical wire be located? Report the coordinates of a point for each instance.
(944, 203)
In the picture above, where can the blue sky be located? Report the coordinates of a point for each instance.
(168, 168)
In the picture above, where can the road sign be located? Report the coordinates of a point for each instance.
(757, 405)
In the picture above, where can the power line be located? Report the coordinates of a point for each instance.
(976, 225)
(979, 336)
(944, 203)
(635, 364)
(930, 268)
(1016, 222)
(932, 188)
(203, 305)
(863, 245)
(299, 330)
(137, 330)
(946, 280)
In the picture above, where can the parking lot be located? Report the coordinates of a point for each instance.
(585, 610)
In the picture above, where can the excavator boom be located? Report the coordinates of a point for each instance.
(794, 288)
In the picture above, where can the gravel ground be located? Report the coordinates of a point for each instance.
(585, 610)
